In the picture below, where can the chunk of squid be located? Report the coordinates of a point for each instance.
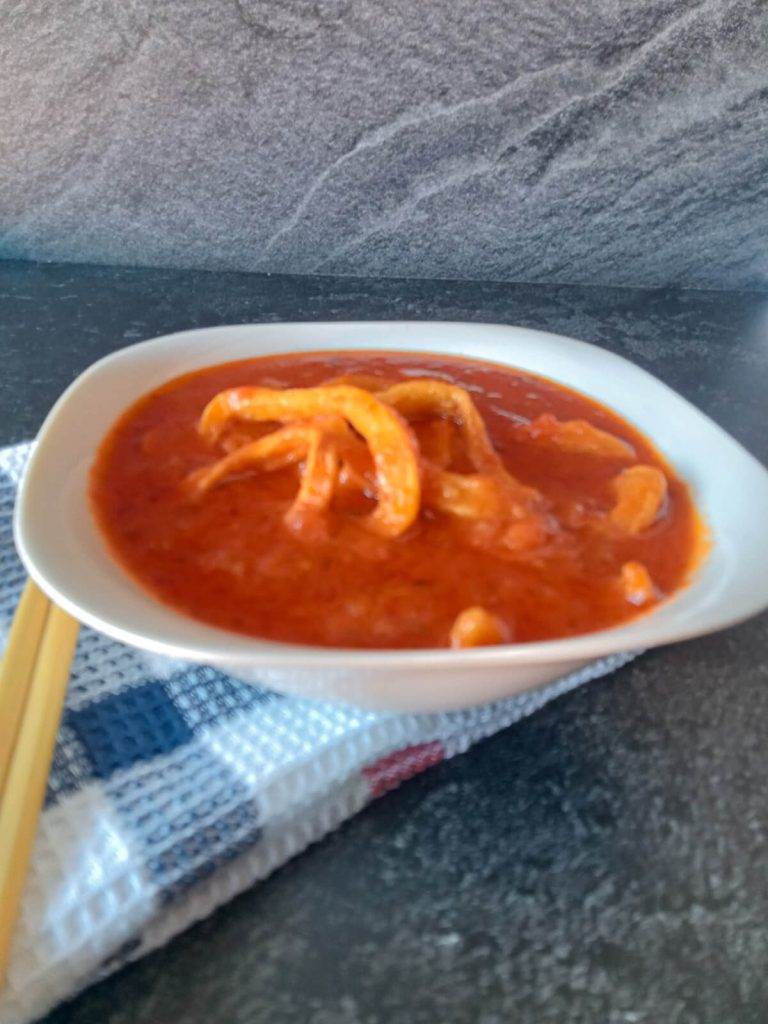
(477, 627)
(637, 584)
(467, 495)
(575, 436)
(640, 495)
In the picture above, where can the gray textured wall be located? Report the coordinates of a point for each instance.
(613, 141)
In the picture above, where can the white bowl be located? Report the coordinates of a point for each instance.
(63, 551)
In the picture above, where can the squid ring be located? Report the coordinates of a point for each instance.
(417, 397)
(393, 447)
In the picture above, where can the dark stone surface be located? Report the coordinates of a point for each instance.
(603, 861)
(603, 141)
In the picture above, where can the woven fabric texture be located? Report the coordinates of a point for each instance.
(175, 787)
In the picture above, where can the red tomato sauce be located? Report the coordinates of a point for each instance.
(229, 560)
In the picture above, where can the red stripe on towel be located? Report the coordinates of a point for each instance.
(388, 772)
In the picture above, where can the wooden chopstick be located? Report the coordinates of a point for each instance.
(42, 657)
(16, 669)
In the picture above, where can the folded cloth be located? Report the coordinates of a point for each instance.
(174, 787)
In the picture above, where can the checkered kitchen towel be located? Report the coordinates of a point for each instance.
(174, 787)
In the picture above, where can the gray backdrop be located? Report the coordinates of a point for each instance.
(611, 141)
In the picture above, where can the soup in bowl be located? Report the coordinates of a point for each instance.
(418, 501)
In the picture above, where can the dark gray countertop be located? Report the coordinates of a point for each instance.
(603, 861)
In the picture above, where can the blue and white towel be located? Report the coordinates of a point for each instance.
(175, 787)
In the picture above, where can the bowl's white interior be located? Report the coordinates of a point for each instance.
(63, 552)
